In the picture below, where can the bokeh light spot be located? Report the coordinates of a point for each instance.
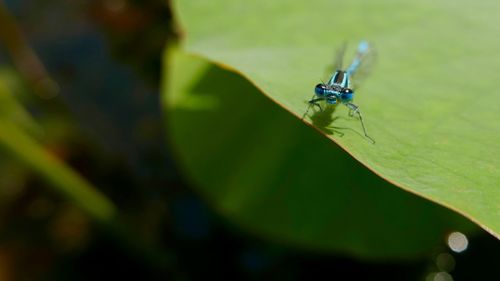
(457, 242)
(443, 276)
(445, 262)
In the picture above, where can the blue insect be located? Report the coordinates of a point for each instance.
(339, 89)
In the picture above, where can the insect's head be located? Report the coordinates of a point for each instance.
(320, 89)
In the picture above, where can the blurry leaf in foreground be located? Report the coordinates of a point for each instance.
(268, 173)
(15, 122)
(17, 144)
(10, 106)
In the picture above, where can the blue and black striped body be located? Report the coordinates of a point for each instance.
(338, 87)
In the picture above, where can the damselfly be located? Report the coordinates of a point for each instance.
(338, 89)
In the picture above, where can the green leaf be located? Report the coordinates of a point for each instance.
(270, 174)
(430, 102)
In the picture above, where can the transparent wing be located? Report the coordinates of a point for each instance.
(338, 62)
(339, 57)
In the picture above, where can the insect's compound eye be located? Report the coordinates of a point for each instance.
(320, 89)
(346, 94)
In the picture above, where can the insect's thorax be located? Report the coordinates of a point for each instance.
(340, 78)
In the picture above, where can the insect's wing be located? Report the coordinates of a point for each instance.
(338, 62)
(339, 57)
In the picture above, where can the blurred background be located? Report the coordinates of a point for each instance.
(79, 82)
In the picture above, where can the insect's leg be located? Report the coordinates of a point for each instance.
(355, 109)
(311, 102)
(315, 102)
